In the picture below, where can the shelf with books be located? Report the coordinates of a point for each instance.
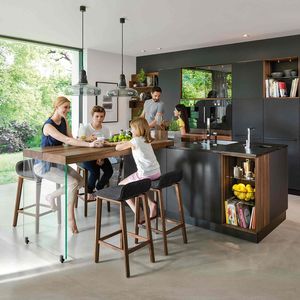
(239, 193)
(281, 78)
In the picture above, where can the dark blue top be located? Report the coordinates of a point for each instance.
(49, 140)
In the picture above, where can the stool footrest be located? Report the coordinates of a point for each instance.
(137, 236)
(109, 245)
(111, 235)
(141, 245)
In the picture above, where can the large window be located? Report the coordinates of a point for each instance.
(206, 82)
(31, 77)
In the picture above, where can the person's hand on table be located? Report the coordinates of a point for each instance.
(90, 138)
(96, 144)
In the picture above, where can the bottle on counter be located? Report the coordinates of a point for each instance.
(81, 132)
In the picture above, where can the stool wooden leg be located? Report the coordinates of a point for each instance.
(124, 237)
(181, 213)
(155, 199)
(163, 220)
(85, 176)
(108, 203)
(136, 218)
(148, 228)
(59, 206)
(98, 228)
(37, 206)
(18, 199)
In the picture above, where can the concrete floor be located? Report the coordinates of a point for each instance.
(210, 266)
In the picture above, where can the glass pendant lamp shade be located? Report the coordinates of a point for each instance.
(82, 87)
(122, 90)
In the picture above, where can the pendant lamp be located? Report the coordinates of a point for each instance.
(122, 90)
(82, 87)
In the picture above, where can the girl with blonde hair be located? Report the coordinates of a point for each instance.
(55, 132)
(144, 157)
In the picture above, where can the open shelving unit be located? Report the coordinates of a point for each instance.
(270, 197)
(271, 83)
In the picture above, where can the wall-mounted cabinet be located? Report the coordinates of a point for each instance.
(281, 78)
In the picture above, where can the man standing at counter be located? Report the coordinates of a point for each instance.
(153, 108)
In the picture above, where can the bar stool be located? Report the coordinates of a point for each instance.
(118, 195)
(166, 180)
(24, 169)
(85, 173)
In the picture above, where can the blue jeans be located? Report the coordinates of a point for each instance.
(94, 174)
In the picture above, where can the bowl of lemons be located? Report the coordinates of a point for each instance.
(243, 192)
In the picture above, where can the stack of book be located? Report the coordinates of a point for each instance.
(277, 89)
(240, 213)
(294, 87)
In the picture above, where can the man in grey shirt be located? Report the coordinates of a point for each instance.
(153, 108)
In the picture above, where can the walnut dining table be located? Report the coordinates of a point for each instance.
(66, 155)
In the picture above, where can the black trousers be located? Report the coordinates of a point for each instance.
(94, 174)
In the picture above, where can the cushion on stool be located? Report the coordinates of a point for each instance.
(24, 168)
(167, 179)
(125, 192)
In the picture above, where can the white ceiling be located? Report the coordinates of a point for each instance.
(170, 24)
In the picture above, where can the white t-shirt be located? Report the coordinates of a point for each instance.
(144, 157)
(90, 130)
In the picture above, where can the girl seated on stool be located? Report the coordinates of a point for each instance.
(144, 157)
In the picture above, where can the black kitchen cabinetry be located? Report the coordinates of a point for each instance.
(201, 190)
(281, 126)
(247, 103)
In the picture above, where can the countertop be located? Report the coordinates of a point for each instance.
(236, 149)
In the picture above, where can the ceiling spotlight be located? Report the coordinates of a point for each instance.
(143, 50)
(246, 35)
(159, 48)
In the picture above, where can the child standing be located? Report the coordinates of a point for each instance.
(144, 157)
(183, 121)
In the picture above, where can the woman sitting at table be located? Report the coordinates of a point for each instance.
(55, 132)
(182, 118)
(92, 131)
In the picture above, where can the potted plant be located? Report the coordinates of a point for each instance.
(141, 77)
(173, 128)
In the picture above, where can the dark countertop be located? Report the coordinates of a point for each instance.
(237, 149)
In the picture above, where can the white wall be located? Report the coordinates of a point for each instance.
(104, 66)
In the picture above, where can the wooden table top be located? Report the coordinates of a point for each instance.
(73, 154)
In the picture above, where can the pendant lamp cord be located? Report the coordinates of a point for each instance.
(122, 48)
(82, 29)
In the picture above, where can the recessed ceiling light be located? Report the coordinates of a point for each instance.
(246, 35)
(143, 50)
(158, 48)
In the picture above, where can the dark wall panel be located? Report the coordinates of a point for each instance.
(170, 82)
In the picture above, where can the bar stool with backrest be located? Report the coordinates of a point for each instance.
(24, 169)
(166, 180)
(85, 172)
(118, 195)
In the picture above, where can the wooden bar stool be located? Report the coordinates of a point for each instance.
(166, 180)
(85, 172)
(24, 169)
(118, 195)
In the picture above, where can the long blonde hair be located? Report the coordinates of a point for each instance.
(58, 102)
(142, 127)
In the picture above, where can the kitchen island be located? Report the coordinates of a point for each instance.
(208, 180)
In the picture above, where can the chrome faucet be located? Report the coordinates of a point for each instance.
(208, 133)
(248, 141)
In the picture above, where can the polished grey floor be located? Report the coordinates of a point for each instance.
(210, 266)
